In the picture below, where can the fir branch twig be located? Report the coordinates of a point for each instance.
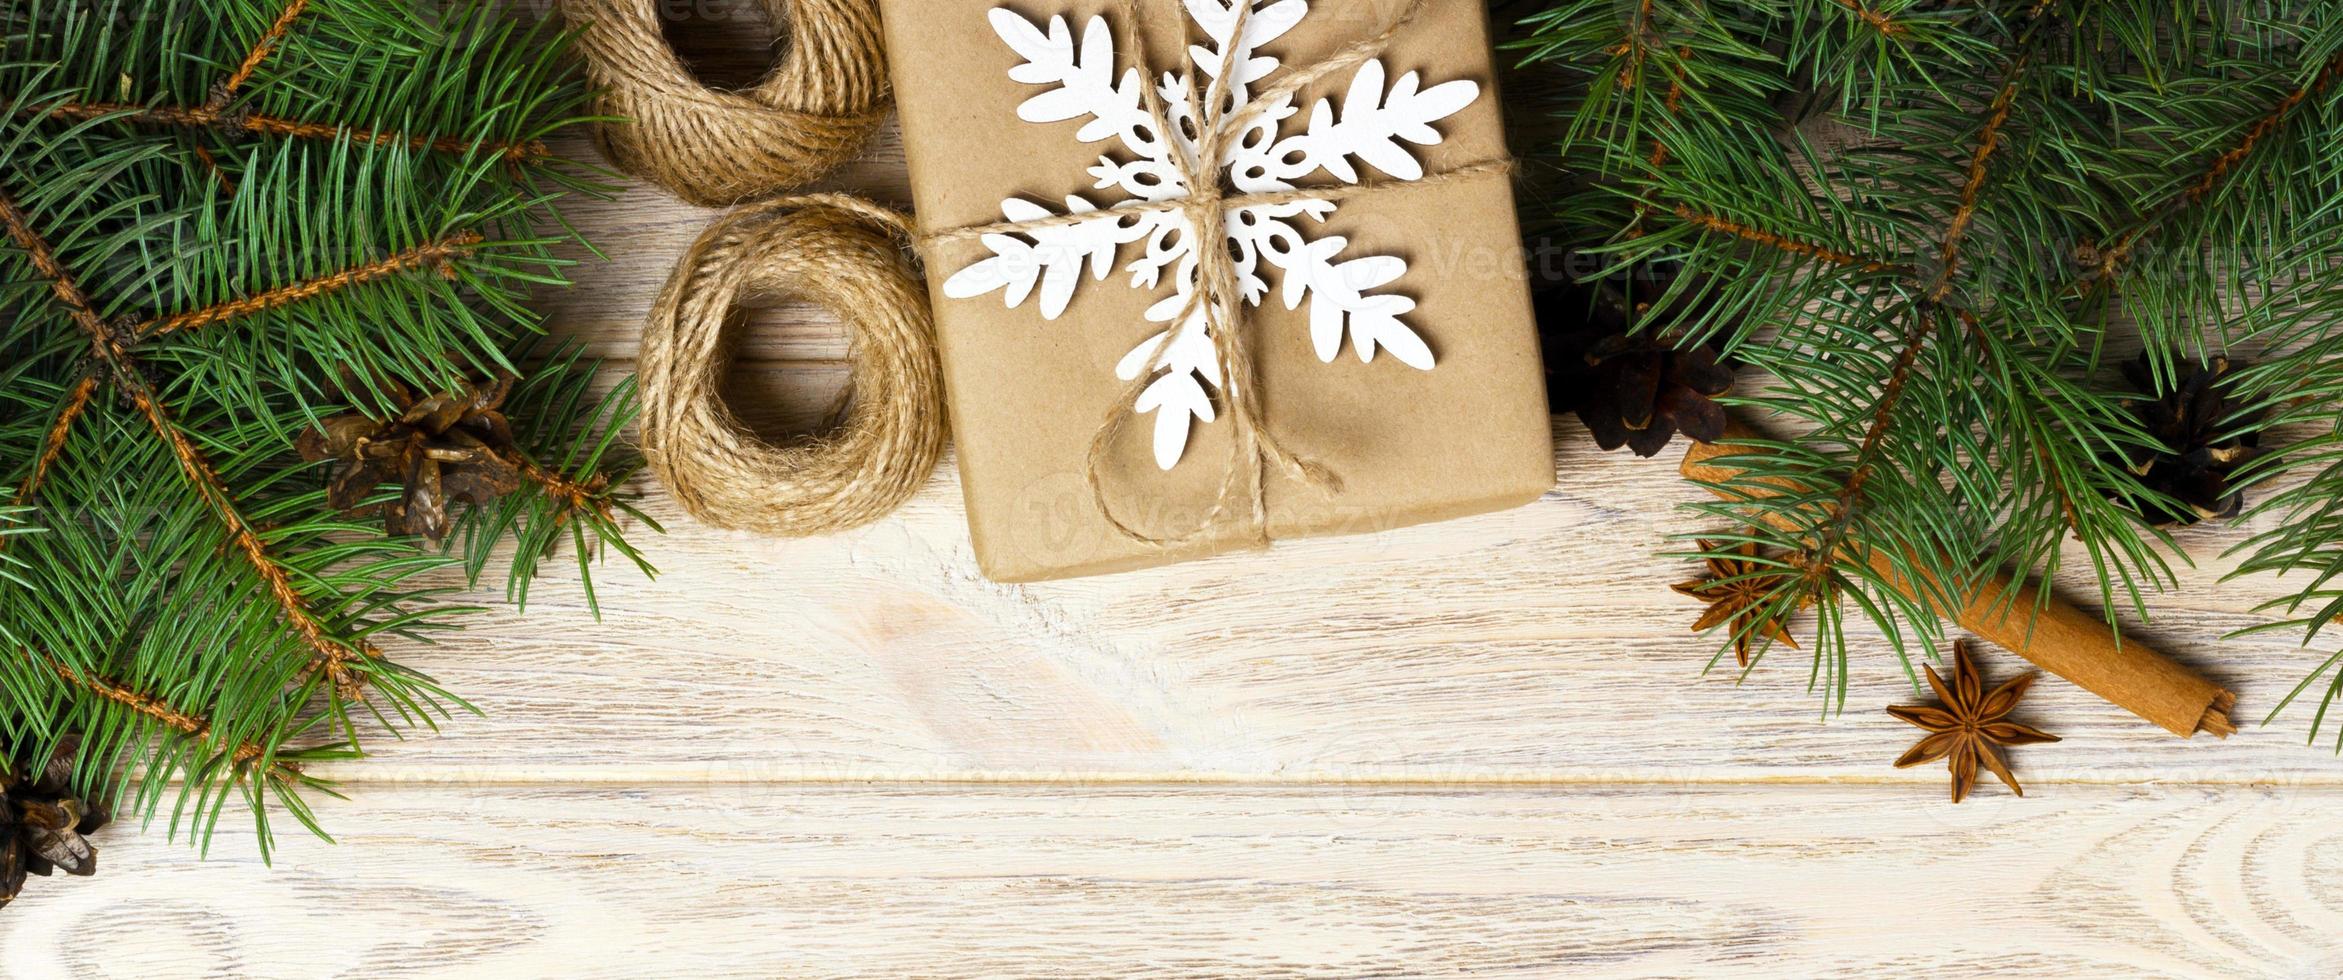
(206, 118)
(1674, 101)
(435, 254)
(1988, 141)
(161, 711)
(1880, 22)
(259, 52)
(575, 497)
(77, 401)
(1637, 47)
(1838, 516)
(225, 91)
(2115, 255)
(1786, 243)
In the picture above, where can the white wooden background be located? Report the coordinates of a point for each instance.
(1478, 747)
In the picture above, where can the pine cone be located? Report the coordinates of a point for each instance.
(1630, 389)
(453, 446)
(1646, 391)
(43, 826)
(2195, 420)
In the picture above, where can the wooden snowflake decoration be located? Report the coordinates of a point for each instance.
(1372, 124)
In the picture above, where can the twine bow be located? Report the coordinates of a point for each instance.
(1254, 450)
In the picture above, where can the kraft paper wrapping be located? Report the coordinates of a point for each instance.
(1028, 394)
(2055, 636)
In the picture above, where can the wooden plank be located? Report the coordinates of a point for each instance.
(1537, 644)
(761, 880)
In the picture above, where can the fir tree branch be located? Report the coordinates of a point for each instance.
(1785, 243)
(53, 444)
(160, 711)
(1674, 102)
(437, 254)
(2262, 128)
(259, 53)
(329, 658)
(575, 497)
(1637, 47)
(1988, 141)
(61, 285)
(2255, 135)
(1841, 511)
(225, 91)
(181, 551)
(1838, 515)
(227, 121)
(1880, 22)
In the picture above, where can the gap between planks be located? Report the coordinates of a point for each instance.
(358, 774)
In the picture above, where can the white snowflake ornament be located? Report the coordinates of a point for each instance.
(1373, 124)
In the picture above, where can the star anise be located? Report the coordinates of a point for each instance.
(1737, 591)
(1969, 728)
(43, 826)
(449, 447)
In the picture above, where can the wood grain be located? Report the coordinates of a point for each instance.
(1536, 644)
(750, 880)
(1486, 746)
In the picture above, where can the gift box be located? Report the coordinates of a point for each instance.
(1351, 349)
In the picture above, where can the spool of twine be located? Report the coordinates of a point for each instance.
(841, 253)
(713, 147)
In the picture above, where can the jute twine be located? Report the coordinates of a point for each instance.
(1255, 450)
(714, 147)
(844, 254)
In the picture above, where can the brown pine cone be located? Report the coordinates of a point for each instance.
(1630, 389)
(43, 826)
(1646, 391)
(2196, 420)
(450, 447)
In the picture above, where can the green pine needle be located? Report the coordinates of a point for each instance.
(373, 205)
(1934, 227)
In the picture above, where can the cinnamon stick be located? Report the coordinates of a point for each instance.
(2053, 634)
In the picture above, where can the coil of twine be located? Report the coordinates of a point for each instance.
(711, 147)
(842, 253)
